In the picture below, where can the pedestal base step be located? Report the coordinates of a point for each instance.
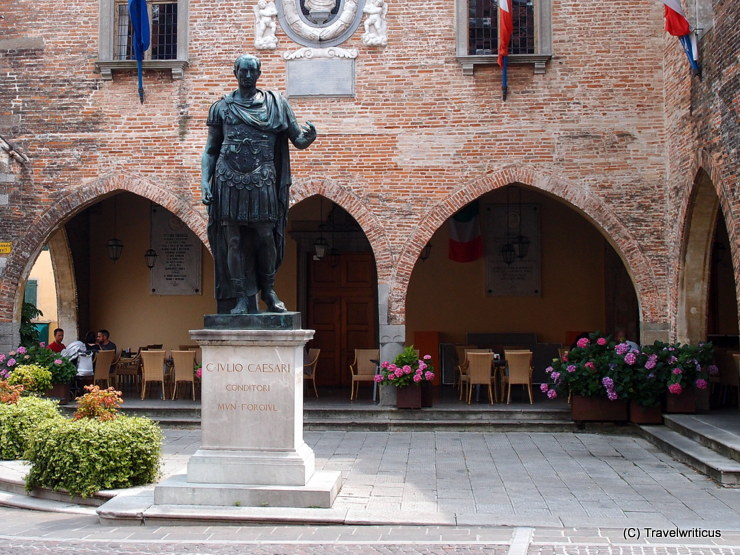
(319, 492)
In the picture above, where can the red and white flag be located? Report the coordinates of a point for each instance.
(675, 19)
(677, 25)
(466, 241)
(505, 29)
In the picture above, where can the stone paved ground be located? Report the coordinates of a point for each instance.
(516, 478)
(509, 493)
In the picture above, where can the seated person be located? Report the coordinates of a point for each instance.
(82, 356)
(104, 342)
(91, 342)
(621, 336)
(57, 346)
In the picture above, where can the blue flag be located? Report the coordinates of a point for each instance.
(139, 17)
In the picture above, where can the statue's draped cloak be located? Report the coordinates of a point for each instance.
(272, 115)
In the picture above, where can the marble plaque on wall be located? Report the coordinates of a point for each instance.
(321, 77)
(522, 276)
(178, 269)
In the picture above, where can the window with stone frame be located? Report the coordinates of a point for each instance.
(477, 33)
(163, 29)
(168, 49)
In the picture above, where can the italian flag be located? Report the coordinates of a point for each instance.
(466, 241)
(505, 29)
(677, 25)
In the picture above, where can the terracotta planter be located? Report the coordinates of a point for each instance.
(427, 394)
(683, 403)
(59, 391)
(408, 397)
(598, 409)
(645, 415)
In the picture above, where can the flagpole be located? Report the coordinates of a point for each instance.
(504, 80)
(141, 80)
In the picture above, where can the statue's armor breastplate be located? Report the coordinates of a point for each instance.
(247, 155)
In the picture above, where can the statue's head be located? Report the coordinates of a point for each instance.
(247, 60)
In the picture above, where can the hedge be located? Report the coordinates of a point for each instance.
(85, 456)
(18, 424)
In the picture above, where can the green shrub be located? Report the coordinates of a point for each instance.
(33, 378)
(19, 421)
(87, 455)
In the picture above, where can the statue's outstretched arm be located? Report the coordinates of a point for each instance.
(302, 137)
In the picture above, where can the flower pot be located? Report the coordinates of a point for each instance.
(598, 409)
(683, 403)
(645, 415)
(59, 391)
(408, 397)
(427, 394)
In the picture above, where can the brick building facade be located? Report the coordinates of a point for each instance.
(608, 121)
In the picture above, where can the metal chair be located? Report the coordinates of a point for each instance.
(309, 369)
(363, 369)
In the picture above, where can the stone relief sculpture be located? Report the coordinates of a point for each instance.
(303, 30)
(320, 10)
(264, 25)
(375, 23)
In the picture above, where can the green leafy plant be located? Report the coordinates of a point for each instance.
(32, 377)
(28, 332)
(61, 368)
(19, 421)
(102, 404)
(406, 369)
(88, 455)
(600, 367)
(589, 369)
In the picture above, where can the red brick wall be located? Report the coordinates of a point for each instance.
(703, 133)
(418, 141)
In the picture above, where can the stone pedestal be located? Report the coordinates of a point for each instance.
(252, 449)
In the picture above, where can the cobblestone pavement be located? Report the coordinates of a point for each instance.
(514, 479)
(508, 493)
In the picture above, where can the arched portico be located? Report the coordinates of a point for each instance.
(650, 301)
(72, 201)
(703, 206)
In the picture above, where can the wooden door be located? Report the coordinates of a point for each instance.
(342, 308)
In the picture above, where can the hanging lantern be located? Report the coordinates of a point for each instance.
(115, 247)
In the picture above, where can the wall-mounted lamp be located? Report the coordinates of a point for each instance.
(151, 258)
(425, 252)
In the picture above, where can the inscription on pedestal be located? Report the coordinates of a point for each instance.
(250, 398)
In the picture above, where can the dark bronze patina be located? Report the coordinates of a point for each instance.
(245, 181)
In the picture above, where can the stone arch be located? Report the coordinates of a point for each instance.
(73, 200)
(692, 244)
(580, 198)
(64, 278)
(354, 205)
